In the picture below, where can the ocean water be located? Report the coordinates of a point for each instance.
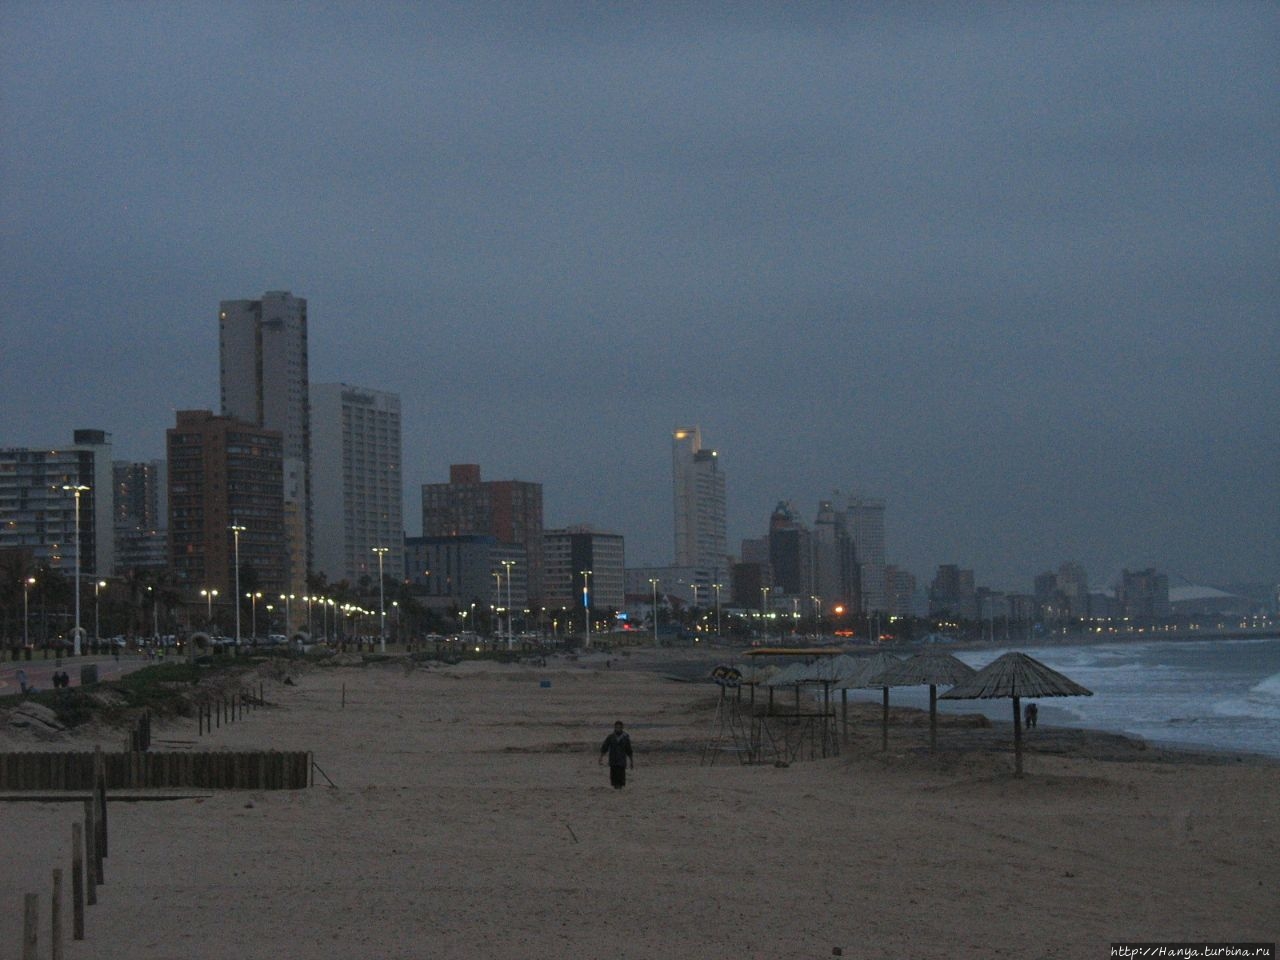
(1222, 694)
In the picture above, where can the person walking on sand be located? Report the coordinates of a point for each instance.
(1032, 713)
(618, 746)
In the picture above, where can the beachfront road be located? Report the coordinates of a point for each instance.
(40, 672)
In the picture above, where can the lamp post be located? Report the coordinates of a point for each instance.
(586, 606)
(287, 598)
(209, 593)
(817, 616)
(237, 529)
(764, 610)
(382, 608)
(510, 638)
(253, 596)
(717, 588)
(27, 584)
(97, 620)
(77, 489)
(653, 582)
(495, 608)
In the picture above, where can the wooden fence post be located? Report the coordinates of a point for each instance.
(90, 855)
(30, 920)
(55, 917)
(77, 882)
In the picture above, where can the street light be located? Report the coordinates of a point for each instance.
(77, 489)
(208, 593)
(382, 609)
(253, 598)
(27, 584)
(97, 621)
(764, 610)
(510, 639)
(495, 622)
(653, 581)
(586, 606)
(717, 587)
(286, 597)
(237, 529)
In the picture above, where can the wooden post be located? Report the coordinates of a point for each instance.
(344, 696)
(884, 722)
(1017, 737)
(30, 921)
(100, 785)
(933, 717)
(90, 856)
(77, 882)
(55, 917)
(844, 711)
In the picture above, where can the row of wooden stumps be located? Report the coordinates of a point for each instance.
(88, 850)
(212, 714)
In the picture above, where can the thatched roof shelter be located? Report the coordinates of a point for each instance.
(1016, 675)
(935, 669)
(868, 673)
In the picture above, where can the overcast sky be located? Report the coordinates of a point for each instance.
(1013, 269)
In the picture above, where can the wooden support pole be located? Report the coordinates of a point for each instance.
(90, 856)
(30, 921)
(77, 882)
(100, 785)
(55, 917)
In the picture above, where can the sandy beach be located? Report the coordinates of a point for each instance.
(470, 819)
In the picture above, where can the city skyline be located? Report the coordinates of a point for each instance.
(1010, 271)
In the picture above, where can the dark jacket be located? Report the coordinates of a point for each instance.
(618, 746)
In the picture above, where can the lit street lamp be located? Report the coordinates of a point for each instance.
(382, 607)
(586, 606)
(717, 588)
(77, 489)
(208, 594)
(653, 581)
(253, 597)
(510, 639)
(237, 529)
(97, 621)
(287, 598)
(27, 584)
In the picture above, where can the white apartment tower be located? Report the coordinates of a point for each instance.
(698, 486)
(263, 351)
(356, 483)
(865, 520)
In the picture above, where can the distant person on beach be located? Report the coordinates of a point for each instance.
(1032, 714)
(618, 746)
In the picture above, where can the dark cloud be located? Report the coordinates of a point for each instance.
(1012, 268)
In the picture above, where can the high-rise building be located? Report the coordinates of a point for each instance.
(952, 593)
(38, 517)
(141, 514)
(835, 564)
(568, 552)
(356, 483)
(790, 553)
(900, 592)
(1143, 595)
(265, 382)
(509, 510)
(865, 521)
(699, 498)
(224, 472)
(465, 571)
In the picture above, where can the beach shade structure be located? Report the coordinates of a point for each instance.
(935, 668)
(868, 674)
(1015, 675)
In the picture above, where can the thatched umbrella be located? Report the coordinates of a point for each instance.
(934, 668)
(1016, 675)
(870, 670)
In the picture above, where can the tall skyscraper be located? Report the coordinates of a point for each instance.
(865, 521)
(263, 350)
(38, 517)
(224, 472)
(699, 496)
(356, 483)
(141, 514)
(510, 510)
